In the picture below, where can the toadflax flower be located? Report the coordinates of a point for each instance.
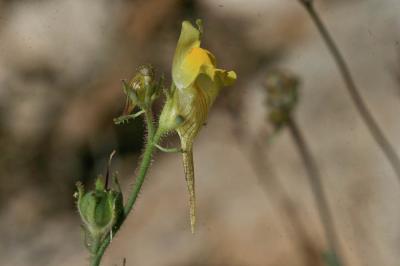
(196, 83)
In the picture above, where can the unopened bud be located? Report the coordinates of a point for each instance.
(282, 95)
(96, 209)
(100, 210)
(140, 89)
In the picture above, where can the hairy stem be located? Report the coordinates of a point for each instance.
(316, 186)
(152, 139)
(361, 106)
(146, 160)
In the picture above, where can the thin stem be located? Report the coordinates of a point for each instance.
(144, 166)
(275, 190)
(361, 106)
(124, 118)
(149, 123)
(169, 150)
(316, 186)
(152, 140)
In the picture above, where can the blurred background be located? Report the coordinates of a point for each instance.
(61, 65)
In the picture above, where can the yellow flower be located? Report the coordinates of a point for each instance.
(196, 83)
(191, 60)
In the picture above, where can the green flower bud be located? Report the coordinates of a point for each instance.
(96, 209)
(101, 210)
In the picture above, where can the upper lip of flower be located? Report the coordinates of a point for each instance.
(188, 40)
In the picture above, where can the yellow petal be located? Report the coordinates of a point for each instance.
(188, 39)
(192, 66)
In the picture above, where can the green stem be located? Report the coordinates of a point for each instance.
(152, 139)
(95, 245)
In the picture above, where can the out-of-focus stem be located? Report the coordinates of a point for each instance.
(314, 176)
(361, 106)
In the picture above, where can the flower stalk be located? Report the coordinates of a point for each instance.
(317, 188)
(354, 92)
(282, 99)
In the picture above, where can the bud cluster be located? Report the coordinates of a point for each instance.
(141, 91)
(282, 95)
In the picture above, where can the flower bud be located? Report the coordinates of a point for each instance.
(140, 89)
(282, 95)
(96, 209)
(100, 210)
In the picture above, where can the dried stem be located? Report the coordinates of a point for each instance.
(361, 106)
(275, 189)
(314, 176)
